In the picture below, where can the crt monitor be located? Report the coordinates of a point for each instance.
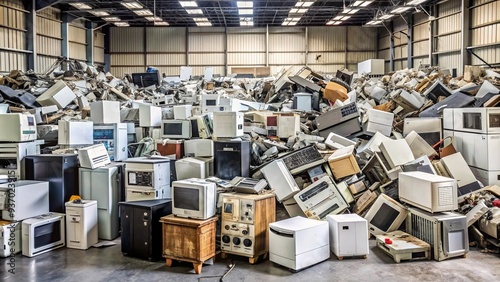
(146, 79)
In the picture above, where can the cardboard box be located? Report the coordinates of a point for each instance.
(334, 91)
(343, 163)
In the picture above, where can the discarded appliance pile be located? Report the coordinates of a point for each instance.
(416, 146)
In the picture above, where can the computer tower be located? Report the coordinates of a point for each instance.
(81, 224)
(61, 171)
(141, 227)
(232, 159)
(106, 185)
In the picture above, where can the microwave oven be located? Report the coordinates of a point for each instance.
(176, 129)
(115, 139)
(321, 199)
(182, 111)
(430, 192)
(17, 127)
(194, 198)
(43, 234)
(446, 232)
(75, 133)
(93, 156)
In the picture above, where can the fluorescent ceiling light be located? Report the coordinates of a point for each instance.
(298, 11)
(345, 18)
(154, 19)
(374, 22)
(132, 5)
(188, 4)
(357, 3)
(81, 6)
(112, 19)
(194, 11)
(353, 11)
(121, 24)
(143, 12)
(204, 24)
(161, 23)
(292, 19)
(366, 3)
(292, 23)
(416, 2)
(304, 4)
(99, 13)
(400, 10)
(245, 11)
(200, 19)
(333, 22)
(386, 17)
(244, 4)
(338, 18)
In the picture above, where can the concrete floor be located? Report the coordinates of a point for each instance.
(108, 264)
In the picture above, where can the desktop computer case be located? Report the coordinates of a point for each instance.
(232, 159)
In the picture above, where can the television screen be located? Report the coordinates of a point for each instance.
(146, 79)
(384, 217)
(172, 128)
(211, 102)
(344, 76)
(101, 134)
(186, 198)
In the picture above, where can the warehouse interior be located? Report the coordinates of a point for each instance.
(249, 140)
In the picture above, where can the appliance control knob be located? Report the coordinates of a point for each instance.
(245, 232)
(236, 241)
(227, 227)
(247, 242)
(226, 239)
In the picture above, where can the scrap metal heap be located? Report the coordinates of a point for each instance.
(361, 131)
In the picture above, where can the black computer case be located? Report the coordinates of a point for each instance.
(61, 171)
(232, 158)
(141, 228)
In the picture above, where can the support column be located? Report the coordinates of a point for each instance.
(226, 67)
(267, 45)
(65, 20)
(187, 46)
(391, 48)
(433, 59)
(410, 41)
(465, 42)
(306, 47)
(30, 6)
(90, 42)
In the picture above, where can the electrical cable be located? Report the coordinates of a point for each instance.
(231, 267)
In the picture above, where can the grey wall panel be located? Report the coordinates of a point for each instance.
(326, 58)
(451, 61)
(121, 71)
(127, 60)
(206, 42)
(246, 42)
(129, 39)
(287, 59)
(287, 42)
(166, 39)
(361, 38)
(246, 59)
(327, 38)
(166, 59)
(212, 59)
(421, 48)
(12, 61)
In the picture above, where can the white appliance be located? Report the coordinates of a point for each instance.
(191, 168)
(194, 198)
(302, 101)
(320, 199)
(288, 125)
(476, 135)
(176, 129)
(10, 238)
(429, 128)
(201, 126)
(11, 156)
(446, 232)
(93, 156)
(385, 215)
(298, 242)
(430, 192)
(199, 148)
(348, 235)
(43, 234)
(343, 120)
(149, 116)
(292, 208)
(379, 121)
(335, 141)
(372, 67)
(280, 180)
(59, 94)
(456, 167)
(419, 146)
(228, 124)
(147, 178)
(115, 139)
(104, 185)
(105, 112)
(17, 127)
(24, 199)
(81, 224)
(75, 132)
(182, 111)
(396, 152)
(217, 103)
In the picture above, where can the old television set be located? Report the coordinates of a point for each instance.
(146, 79)
(345, 76)
(176, 129)
(385, 215)
(194, 198)
(429, 128)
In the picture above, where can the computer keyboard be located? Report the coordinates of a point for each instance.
(303, 159)
(314, 191)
